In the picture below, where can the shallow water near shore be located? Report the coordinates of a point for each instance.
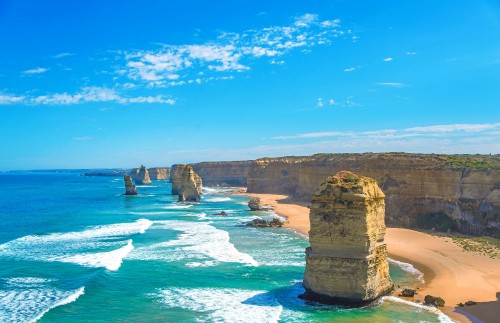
(72, 248)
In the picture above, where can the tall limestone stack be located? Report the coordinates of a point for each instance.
(188, 184)
(175, 177)
(143, 176)
(347, 260)
(129, 186)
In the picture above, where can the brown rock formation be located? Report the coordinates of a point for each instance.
(254, 204)
(175, 177)
(347, 260)
(187, 183)
(460, 193)
(129, 186)
(226, 173)
(143, 176)
(159, 173)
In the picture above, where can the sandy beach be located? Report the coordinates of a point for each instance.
(449, 272)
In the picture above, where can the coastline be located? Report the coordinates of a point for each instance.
(449, 272)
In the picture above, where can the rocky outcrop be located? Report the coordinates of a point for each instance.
(159, 173)
(187, 183)
(420, 189)
(129, 186)
(261, 223)
(434, 300)
(175, 177)
(347, 260)
(254, 204)
(143, 176)
(226, 173)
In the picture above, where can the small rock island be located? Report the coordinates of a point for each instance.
(129, 186)
(346, 263)
(186, 183)
(143, 176)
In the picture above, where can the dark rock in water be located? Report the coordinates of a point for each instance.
(470, 303)
(408, 292)
(110, 173)
(461, 304)
(434, 300)
(221, 214)
(143, 176)
(129, 187)
(261, 223)
(254, 204)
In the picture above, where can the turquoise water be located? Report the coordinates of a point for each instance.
(73, 249)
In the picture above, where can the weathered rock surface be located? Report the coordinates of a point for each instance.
(223, 173)
(254, 204)
(142, 177)
(261, 223)
(347, 260)
(187, 183)
(129, 186)
(434, 300)
(407, 292)
(159, 173)
(420, 189)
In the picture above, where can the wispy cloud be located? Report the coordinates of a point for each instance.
(424, 131)
(82, 138)
(320, 103)
(411, 53)
(388, 59)
(86, 95)
(38, 70)
(229, 52)
(392, 84)
(351, 69)
(62, 55)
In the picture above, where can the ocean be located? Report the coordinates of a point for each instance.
(74, 249)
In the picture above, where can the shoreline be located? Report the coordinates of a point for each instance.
(449, 272)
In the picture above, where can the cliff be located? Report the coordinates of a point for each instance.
(159, 173)
(445, 192)
(347, 259)
(230, 173)
(187, 183)
(129, 186)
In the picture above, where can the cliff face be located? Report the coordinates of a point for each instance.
(420, 190)
(347, 259)
(159, 173)
(142, 177)
(231, 173)
(129, 186)
(187, 183)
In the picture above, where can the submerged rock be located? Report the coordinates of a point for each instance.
(254, 204)
(129, 186)
(408, 292)
(222, 213)
(470, 303)
(187, 184)
(347, 260)
(143, 176)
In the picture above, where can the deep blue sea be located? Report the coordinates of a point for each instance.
(74, 249)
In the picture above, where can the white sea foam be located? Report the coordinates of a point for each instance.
(177, 206)
(111, 260)
(216, 190)
(150, 213)
(29, 305)
(408, 268)
(224, 305)
(217, 199)
(143, 186)
(83, 247)
(198, 240)
(24, 282)
(431, 309)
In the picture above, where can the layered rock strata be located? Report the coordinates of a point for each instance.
(347, 260)
(129, 186)
(143, 176)
(456, 192)
(224, 173)
(187, 183)
(159, 173)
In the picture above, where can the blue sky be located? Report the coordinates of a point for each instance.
(120, 83)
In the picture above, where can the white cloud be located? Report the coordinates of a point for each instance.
(61, 55)
(388, 59)
(38, 70)
(393, 84)
(86, 95)
(6, 99)
(411, 53)
(320, 103)
(230, 52)
(457, 130)
(82, 138)
(331, 102)
(350, 69)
